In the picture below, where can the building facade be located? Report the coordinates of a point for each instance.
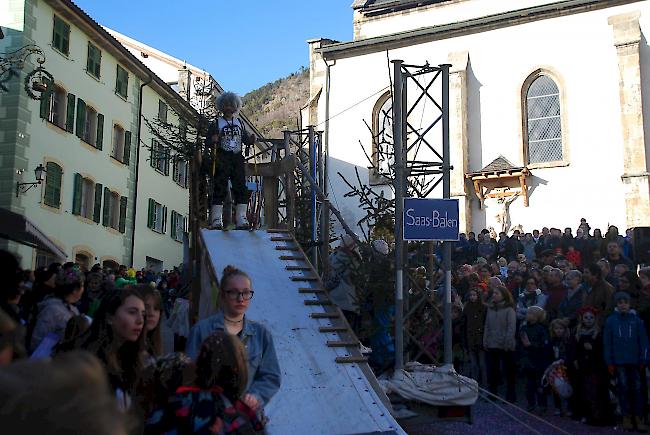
(548, 111)
(104, 199)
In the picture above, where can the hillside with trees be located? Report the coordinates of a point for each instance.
(276, 106)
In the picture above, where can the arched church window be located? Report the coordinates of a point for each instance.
(543, 121)
(382, 140)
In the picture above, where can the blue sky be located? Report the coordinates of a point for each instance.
(243, 44)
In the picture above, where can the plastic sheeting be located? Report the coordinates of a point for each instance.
(437, 386)
(318, 395)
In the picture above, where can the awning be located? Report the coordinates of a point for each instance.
(18, 228)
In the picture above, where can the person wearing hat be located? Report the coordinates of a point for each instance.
(626, 354)
(344, 264)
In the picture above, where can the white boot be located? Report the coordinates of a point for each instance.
(216, 217)
(240, 216)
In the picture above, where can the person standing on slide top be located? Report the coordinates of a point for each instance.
(225, 139)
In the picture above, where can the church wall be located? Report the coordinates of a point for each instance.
(578, 50)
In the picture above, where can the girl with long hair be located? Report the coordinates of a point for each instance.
(117, 338)
(214, 404)
(499, 341)
(153, 307)
(236, 292)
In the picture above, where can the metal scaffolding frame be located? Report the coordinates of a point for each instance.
(420, 176)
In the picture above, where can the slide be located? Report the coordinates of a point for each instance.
(327, 386)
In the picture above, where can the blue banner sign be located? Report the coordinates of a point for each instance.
(431, 219)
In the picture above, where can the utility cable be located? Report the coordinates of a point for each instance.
(352, 106)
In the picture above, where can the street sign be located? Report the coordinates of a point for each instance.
(431, 219)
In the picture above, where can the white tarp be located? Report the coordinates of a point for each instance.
(318, 395)
(437, 386)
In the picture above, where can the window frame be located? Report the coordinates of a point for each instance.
(119, 156)
(47, 184)
(65, 38)
(118, 90)
(89, 70)
(163, 110)
(62, 111)
(560, 83)
(374, 178)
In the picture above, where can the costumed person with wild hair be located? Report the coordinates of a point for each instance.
(225, 139)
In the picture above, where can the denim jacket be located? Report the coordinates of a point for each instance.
(263, 368)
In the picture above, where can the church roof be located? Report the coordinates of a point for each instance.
(376, 7)
(468, 26)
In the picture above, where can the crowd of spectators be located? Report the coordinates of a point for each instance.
(563, 317)
(82, 352)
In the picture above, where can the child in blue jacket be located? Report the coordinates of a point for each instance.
(626, 348)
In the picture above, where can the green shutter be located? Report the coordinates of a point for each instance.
(122, 82)
(94, 60)
(166, 161)
(151, 215)
(78, 189)
(97, 210)
(123, 203)
(52, 196)
(164, 220)
(65, 38)
(106, 216)
(81, 117)
(69, 113)
(100, 131)
(173, 231)
(46, 99)
(127, 148)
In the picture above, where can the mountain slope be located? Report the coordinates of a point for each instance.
(276, 106)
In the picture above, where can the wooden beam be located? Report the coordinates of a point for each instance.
(304, 278)
(332, 315)
(326, 329)
(331, 343)
(292, 257)
(524, 189)
(311, 290)
(318, 302)
(351, 359)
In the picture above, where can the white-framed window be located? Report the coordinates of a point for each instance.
(179, 226)
(382, 139)
(58, 105)
(162, 111)
(114, 211)
(157, 217)
(118, 142)
(90, 130)
(87, 198)
(180, 172)
(543, 126)
(159, 157)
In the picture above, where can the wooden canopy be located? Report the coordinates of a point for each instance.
(500, 175)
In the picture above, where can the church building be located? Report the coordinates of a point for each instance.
(548, 107)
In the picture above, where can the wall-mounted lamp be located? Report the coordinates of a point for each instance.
(24, 187)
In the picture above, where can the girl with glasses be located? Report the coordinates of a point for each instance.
(235, 296)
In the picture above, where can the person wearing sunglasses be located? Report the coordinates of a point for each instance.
(263, 368)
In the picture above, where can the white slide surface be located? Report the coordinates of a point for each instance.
(318, 395)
